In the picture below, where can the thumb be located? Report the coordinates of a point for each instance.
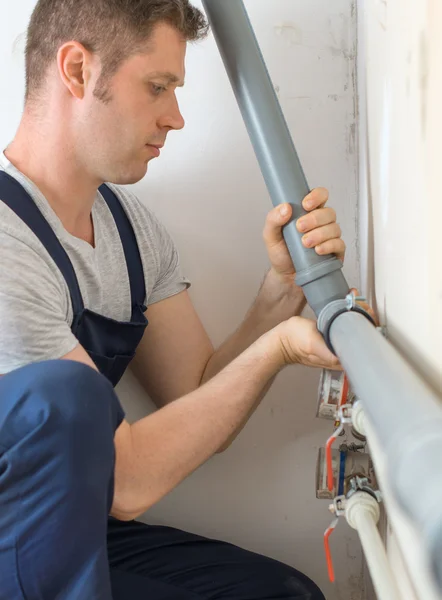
(276, 219)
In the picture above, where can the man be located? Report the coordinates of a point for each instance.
(81, 261)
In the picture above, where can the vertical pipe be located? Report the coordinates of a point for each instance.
(362, 513)
(409, 542)
(320, 276)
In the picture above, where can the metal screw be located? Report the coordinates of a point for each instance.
(351, 300)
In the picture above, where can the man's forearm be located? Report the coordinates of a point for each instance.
(156, 453)
(276, 302)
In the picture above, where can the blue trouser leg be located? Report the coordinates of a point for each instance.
(57, 424)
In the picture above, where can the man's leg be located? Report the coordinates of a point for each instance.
(57, 424)
(161, 563)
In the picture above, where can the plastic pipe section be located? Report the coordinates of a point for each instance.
(362, 513)
(321, 277)
(407, 418)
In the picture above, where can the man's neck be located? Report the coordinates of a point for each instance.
(48, 160)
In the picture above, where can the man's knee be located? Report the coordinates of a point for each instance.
(266, 578)
(62, 396)
(288, 582)
(300, 586)
(57, 454)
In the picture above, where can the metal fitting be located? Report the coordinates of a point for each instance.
(362, 484)
(352, 300)
(338, 506)
(333, 310)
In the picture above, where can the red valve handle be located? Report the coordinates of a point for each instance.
(345, 388)
(330, 481)
(331, 439)
(328, 557)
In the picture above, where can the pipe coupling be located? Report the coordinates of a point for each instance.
(332, 311)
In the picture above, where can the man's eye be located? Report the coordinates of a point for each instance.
(157, 89)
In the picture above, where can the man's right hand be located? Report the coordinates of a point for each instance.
(299, 341)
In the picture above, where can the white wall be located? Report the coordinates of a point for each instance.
(208, 189)
(403, 53)
(401, 181)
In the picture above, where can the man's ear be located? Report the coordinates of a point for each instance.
(74, 67)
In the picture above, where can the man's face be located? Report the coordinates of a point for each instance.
(120, 132)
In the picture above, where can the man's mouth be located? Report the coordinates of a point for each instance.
(156, 148)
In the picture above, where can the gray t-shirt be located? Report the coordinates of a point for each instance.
(35, 304)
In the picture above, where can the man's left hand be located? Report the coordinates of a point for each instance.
(319, 228)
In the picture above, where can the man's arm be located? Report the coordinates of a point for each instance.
(275, 303)
(156, 453)
(279, 298)
(176, 356)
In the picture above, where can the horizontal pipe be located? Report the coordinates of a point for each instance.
(320, 277)
(407, 417)
(362, 513)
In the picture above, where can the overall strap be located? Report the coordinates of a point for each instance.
(130, 247)
(17, 198)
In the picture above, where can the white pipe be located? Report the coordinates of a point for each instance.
(362, 513)
(405, 550)
(358, 418)
(414, 576)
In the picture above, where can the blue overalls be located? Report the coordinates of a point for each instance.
(57, 424)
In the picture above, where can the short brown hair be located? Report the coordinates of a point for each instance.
(114, 29)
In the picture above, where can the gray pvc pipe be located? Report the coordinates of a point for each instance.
(320, 276)
(407, 417)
